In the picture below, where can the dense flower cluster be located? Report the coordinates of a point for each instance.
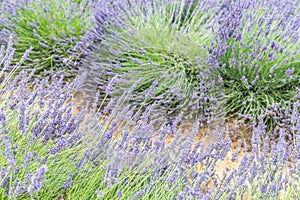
(144, 118)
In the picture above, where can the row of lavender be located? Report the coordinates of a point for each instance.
(48, 152)
(244, 54)
(185, 60)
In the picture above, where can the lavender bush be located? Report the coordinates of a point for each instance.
(257, 50)
(158, 43)
(51, 29)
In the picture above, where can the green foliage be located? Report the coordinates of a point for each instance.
(52, 29)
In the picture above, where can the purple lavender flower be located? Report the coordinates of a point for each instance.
(36, 180)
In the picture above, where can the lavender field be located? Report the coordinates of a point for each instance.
(158, 99)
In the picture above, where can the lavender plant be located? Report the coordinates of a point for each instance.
(160, 44)
(52, 29)
(257, 50)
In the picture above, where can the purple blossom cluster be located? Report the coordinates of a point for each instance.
(37, 124)
(6, 7)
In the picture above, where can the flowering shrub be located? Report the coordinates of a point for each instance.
(51, 29)
(257, 50)
(160, 44)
